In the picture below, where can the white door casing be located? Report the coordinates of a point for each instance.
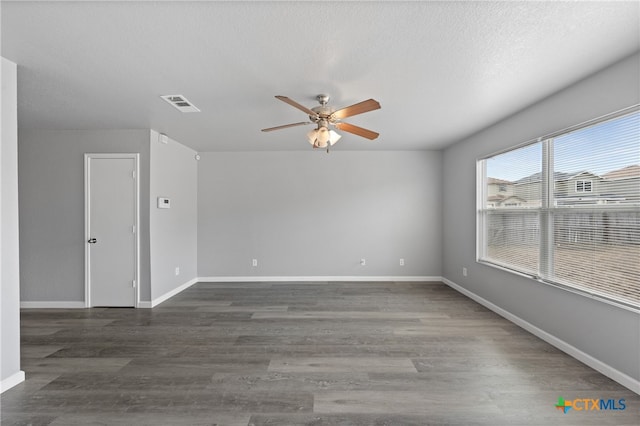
(111, 230)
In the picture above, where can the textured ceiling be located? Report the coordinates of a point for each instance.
(441, 70)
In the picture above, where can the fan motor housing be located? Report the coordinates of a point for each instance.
(323, 111)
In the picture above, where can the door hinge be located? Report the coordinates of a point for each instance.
(133, 283)
(133, 174)
(133, 229)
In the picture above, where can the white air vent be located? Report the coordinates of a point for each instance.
(180, 103)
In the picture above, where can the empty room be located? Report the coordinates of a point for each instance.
(259, 213)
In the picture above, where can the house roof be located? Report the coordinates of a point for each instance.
(628, 172)
(491, 180)
(557, 176)
(105, 64)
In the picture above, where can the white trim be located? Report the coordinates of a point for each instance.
(316, 278)
(11, 381)
(87, 194)
(87, 215)
(481, 197)
(168, 295)
(620, 377)
(52, 305)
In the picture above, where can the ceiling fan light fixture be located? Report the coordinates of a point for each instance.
(322, 137)
(312, 136)
(333, 137)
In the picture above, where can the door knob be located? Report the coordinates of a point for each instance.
(92, 241)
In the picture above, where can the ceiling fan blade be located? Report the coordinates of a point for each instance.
(297, 105)
(365, 133)
(359, 108)
(286, 126)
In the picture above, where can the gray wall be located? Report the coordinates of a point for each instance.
(308, 213)
(51, 184)
(605, 332)
(10, 274)
(173, 232)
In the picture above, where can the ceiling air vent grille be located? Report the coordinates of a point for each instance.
(180, 103)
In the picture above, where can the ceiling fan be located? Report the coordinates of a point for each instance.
(325, 116)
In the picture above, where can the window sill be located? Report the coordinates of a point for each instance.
(575, 290)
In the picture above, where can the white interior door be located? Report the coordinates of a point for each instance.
(111, 229)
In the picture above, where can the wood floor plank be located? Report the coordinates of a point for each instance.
(403, 402)
(62, 322)
(449, 330)
(235, 308)
(39, 351)
(151, 419)
(66, 365)
(346, 315)
(336, 364)
(39, 331)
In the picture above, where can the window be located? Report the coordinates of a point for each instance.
(502, 187)
(583, 186)
(576, 222)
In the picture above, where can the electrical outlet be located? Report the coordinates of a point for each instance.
(464, 271)
(401, 262)
(177, 271)
(254, 262)
(363, 262)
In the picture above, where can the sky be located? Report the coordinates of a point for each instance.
(601, 148)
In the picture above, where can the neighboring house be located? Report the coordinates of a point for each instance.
(577, 188)
(529, 188)
(624, 184)
(498, 190)
(581, 184)
(503, 188)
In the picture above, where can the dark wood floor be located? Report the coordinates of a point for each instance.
(299, 354)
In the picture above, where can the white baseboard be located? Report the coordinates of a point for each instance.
(168, 295)
(315, 279)
(620, 377)
(52, 305)
(11, 381)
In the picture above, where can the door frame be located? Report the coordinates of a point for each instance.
(87, 221)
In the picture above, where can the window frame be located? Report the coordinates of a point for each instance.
(584, 183)
(546, 212)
